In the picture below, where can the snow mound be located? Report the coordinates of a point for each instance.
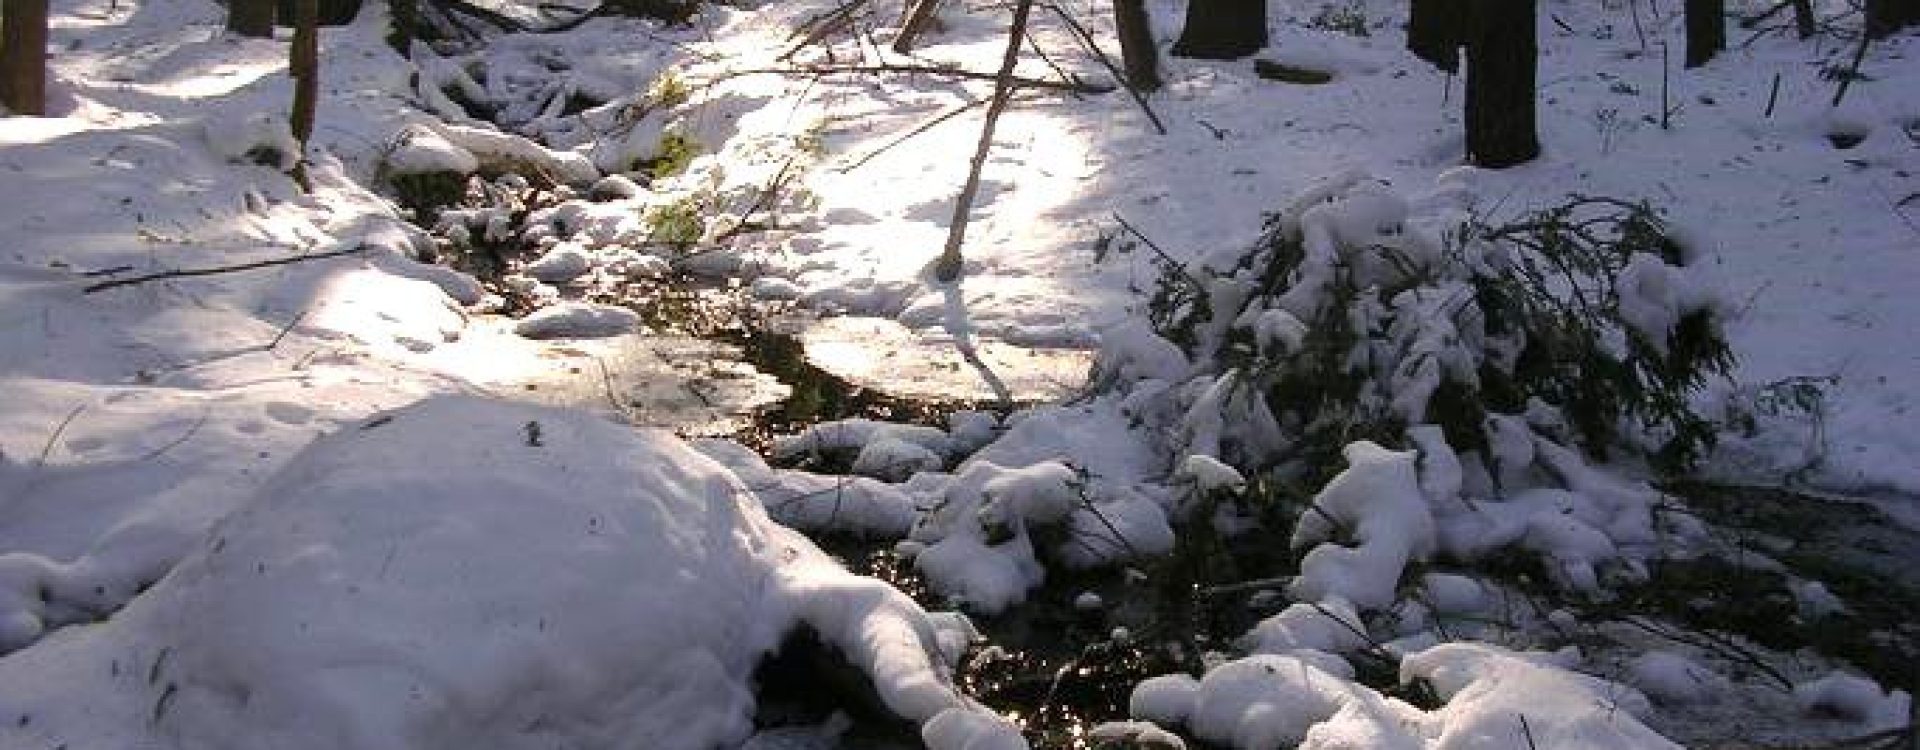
(1671, 678)
(560, 581)
(1854, 698)
(1495, 699)
(818, 502)
(354, 603)
(258, 138)
(977, 545)
(419, 150)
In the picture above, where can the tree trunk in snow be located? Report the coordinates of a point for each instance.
(1706, 30)
(331, 12)
(1137, 53)
(23, 56)
(304, 64)
(1502, 55)
(1435, 33)
(1803, 21)
(1887, 16)
(404, 25)
(1223, 29)
(252, 18)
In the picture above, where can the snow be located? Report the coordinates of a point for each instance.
(817, 502)
(1451, 594)
(562, 262)
(423, 151)
(258, 138)
(1671, 678)
(1167, 699)
(1208, 474)
(546, 593)
(1854, 698)
(1139, 734)
(1377, 501)
(145, 424)
(1490, 691)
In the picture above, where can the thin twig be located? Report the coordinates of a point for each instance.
(186, 272)
(1257, 584)
(935, 70)
(1155, 247)
(904, 137)
(175, 443)
(772, 188)
(1853, 69)
(286, 329)
(58, 430)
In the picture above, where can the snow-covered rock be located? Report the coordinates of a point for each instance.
(577, 320)
(561, 263)
(1668, 677)
(420, 150)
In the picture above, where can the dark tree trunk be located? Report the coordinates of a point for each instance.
(304, 63)
(1435, 31)
(1137, 52)
(1502, 54)
(23, 56)
(1884, 17)
(252, 18)
(330, 12)
(1803, 22)
(1706, 30)
(1223, 29)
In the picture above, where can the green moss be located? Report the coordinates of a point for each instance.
(671, 157)
(677, 223)
(425, 193)
(668, 91)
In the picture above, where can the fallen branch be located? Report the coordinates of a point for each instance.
(1037, 83)
(904, 137)
(761, 200)
(947, 268)
(186, 272)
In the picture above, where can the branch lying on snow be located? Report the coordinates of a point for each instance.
(1081, 87)
(186, 272)
(904, 137)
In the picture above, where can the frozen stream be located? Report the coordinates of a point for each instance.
(714, 386)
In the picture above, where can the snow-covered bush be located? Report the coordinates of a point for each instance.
(1457, 378)
(1343, 322)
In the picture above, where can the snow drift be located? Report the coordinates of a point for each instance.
(550, 579)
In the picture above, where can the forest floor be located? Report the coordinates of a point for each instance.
(757, 275)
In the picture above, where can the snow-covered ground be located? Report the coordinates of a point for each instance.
(154, 434)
